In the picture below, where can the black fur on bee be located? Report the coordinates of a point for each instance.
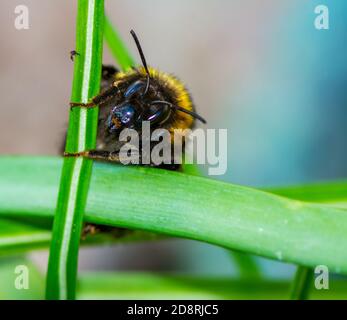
(131, 97)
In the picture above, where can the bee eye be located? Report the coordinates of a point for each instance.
(121, 116)
(126, 114)
(134, 88)
(158, 113)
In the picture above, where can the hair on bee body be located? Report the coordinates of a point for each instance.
(139, 94)
(129, 99)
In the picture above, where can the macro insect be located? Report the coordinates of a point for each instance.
(129, 98)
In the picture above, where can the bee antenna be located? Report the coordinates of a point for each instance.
(192, 113)
(143, 59)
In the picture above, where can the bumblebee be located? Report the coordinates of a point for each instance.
(129, 98)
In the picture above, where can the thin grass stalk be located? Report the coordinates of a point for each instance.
(76, 172)
(301, 283)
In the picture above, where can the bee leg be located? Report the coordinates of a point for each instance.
(97, 100)
(89, 229)
(82, 105)
(115, 158)
(95, 155)
(104, 155)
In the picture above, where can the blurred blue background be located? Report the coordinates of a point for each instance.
(258, 68)
(288, 117)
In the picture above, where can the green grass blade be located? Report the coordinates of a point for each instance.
(21, 235)
(128, 285)
(117, 47)
(301, 284)
(325, 192)
(181, 205)
(126, 61)
(62, 266)
(16, 236)
(246, 264)
(9, 281)
(131, 285)
(331, 192)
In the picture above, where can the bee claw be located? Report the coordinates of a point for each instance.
(76, 154)
(81, 105)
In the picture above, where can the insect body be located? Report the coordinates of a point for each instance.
(140, 94)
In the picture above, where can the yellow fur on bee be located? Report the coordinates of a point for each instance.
(181, 94)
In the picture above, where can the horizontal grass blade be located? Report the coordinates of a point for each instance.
(16, 236)
(131, 285)
(128, 285)
(186, 206)
(19, 235)
(327, 192)
(12, 284)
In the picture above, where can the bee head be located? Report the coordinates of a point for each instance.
(136, 107)
(142, 102)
